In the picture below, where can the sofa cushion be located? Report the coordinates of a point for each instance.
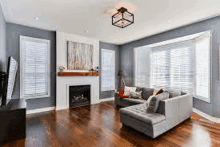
(154, 102)
(135, 101)
(139, 112)
(147, 92)
(139, 89)
(136, 95)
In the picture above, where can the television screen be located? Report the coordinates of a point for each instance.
(12, 70)
(9, 81)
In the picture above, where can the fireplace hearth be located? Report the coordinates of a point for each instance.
(79, 95)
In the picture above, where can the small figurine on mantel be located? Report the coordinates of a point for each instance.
(61, 68)
(94, 69)
(97, 69)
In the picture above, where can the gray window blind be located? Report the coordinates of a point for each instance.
(34, 67)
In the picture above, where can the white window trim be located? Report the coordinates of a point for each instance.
(113, 87)
(208, 100)
(188, 37)
(21, 66)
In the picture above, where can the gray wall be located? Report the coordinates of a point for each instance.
(2, 42)
(13, 31)
(213, 24)
(103, 45)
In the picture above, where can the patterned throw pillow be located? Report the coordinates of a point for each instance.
(136, 95)
(129, 90)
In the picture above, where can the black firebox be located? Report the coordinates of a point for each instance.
(79, 95)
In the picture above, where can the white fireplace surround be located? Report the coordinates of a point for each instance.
(63, 82)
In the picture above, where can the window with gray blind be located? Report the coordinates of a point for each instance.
(34, 67)
(183, 64)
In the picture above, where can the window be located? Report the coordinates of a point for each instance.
(142, 67)
(108, 70)
(202, 69)
(34, 67)
(172, 66)
(182, 65)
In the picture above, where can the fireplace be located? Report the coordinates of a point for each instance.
(79, 95)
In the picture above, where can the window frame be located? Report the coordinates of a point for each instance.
(208, 100)
(34, 96)
(193, 37)
(113, 87)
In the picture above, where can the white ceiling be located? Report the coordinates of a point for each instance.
(76, 16)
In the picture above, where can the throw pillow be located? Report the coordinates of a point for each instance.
(149, 99)
(155, 91)
(136, 95)
(159, 92)
(147, 92)
(121, 92)
(129, 90)
(154, 102)
(124, 96)
(173, 93)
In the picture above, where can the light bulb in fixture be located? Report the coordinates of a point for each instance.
(36, 18)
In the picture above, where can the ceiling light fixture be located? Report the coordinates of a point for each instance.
(122, 18)
(36, 18)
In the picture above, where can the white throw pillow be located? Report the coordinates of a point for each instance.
(129, 90)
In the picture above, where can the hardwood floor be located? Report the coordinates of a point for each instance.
(99, 126)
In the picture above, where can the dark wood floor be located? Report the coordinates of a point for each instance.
(99, 126)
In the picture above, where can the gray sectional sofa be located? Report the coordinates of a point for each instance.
(170, 112)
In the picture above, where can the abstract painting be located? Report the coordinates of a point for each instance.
(79, 56)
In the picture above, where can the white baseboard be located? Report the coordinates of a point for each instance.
(107, 99)
(211, 118)
(61, 108)
(40, 110)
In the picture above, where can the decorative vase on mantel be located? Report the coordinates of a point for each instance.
(61, 68)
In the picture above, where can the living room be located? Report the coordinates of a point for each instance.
(74, 76)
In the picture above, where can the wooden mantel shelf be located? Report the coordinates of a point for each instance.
(78, 73)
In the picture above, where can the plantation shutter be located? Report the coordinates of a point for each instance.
(35, 67)
(108, 70)
(202, 67)
(173, 66)
(142, 66)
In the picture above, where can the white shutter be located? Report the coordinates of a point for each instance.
(160, 68)
(183, 65)
(172, 66)
(108, 70)
(34, 67)
(142, 66)
(181, 68)
(202, 68)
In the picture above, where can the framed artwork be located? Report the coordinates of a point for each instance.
(79, 56)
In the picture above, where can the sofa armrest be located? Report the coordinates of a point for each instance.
(176, 109)
(116, 98)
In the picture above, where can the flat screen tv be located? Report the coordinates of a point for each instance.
(9, 81)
